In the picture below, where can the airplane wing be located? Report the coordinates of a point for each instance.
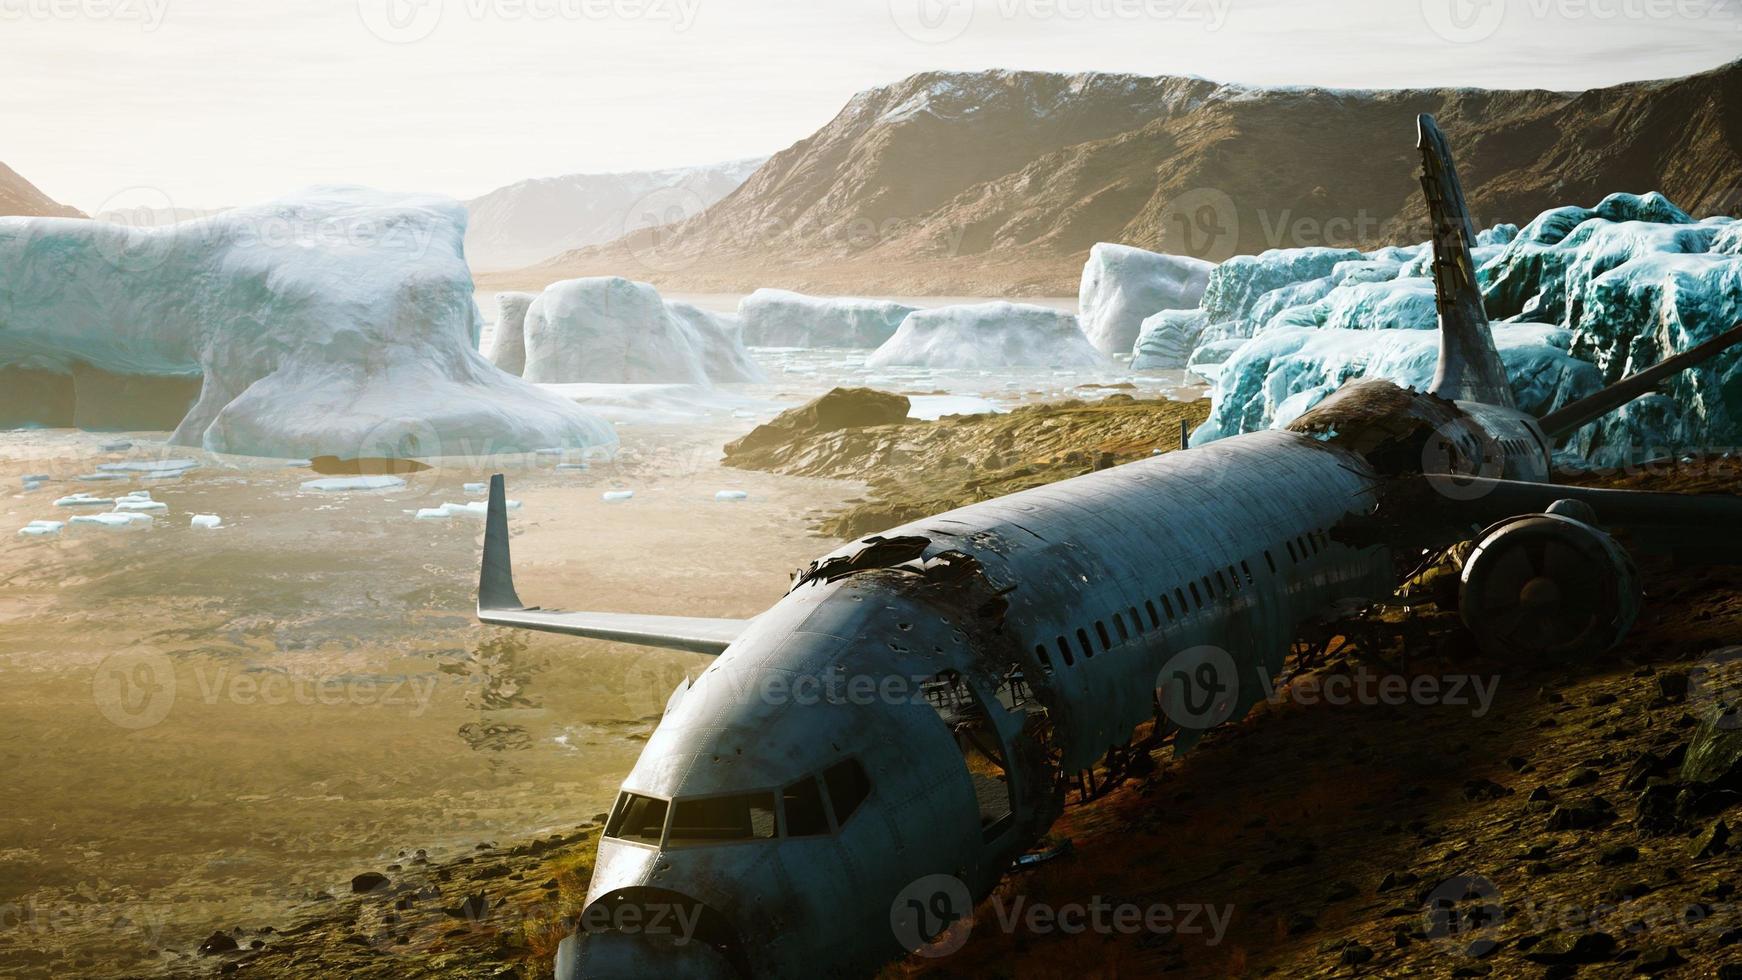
(499, 605)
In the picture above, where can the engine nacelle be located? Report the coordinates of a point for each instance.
(1549, 584)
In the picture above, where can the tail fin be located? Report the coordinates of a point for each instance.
(1469, 368)
(1561, 423)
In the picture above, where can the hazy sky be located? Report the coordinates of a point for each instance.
(220, 102)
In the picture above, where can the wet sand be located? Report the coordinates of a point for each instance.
(207, 727)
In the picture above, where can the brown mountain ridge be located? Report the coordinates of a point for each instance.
(997, 183)
(20, 198)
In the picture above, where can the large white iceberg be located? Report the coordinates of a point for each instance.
(1122, 286)
(1600, 292)
(611, 330)
(778, 318)
(989, 335)
(338, 321)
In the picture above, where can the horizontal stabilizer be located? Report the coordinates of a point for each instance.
(499, 604)
(1697, 528)
(1559, 424)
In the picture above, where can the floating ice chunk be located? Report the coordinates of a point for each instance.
(341, 483)
(84, 500)
(732, 495)
(930, 408)
(149, 466)
(117, 447)
(433, 514)
(616, 496)
(571, 467)
(113, 521)
(477, 508)
(207, 521)
(39, 529)
(476, 488)
(36, 478)
(138, 505)
(103, 477)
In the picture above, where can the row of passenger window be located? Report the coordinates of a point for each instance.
(1223, 584)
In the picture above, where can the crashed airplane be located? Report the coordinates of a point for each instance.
(864, 759)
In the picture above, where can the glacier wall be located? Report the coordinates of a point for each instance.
(1580, 297)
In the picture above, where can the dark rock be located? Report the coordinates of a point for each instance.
(1476, 790)
(1602, 699)
(1716, 748)
(1581, 777)
(1658, 959)
(1643, 769)
(1714, 839)
(368, 881)
(1397, 879)
(1341, 890)
(1579, 816)
(1355, 954)
(1540, 795)
(217, 944)
(1673, 685)
(1571, 948)
(1619, 854)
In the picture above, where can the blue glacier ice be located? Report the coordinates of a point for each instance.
(1580, 296)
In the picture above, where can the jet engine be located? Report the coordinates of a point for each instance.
(1549, 584)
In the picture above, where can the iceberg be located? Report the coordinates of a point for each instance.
(41, 529)
(989, 335)
(508, 343)
(611, 330)
(337, 321)
(206, 522)
(778, 318)
(1122, 286)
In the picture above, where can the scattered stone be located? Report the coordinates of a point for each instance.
(1658, 959)
(1713, 840)
(367, 882)
(1673, 686)
(1581, 777)
(1619, 854)
(1572, 948)
(217, 944)
(1355, 954)
(1477, 790)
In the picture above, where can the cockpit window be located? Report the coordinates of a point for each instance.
(747, 816)
(639, 818)
(848, 787)
(804, 809)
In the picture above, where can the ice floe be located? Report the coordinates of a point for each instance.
(334, 484)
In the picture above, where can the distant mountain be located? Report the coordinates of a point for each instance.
(19, 197)
(535, 220)
(1000, 182)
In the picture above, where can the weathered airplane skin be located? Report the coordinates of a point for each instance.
(909, 712)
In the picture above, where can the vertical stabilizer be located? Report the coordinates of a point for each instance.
(1469, 368)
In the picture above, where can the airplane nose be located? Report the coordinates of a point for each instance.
(623, 956)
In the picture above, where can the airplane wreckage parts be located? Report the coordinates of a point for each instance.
(956, 587)
(1542, 579)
